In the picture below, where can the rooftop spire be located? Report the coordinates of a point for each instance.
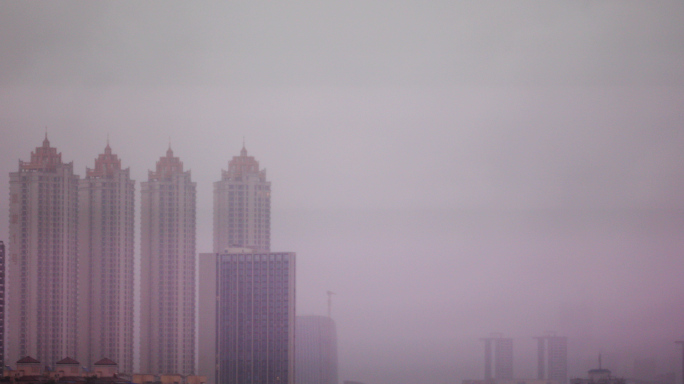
(44, 158)
(105, 164)
(243, 151)
(167, 166)
(46, 142)
(169, 152)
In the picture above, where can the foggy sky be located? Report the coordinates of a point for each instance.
(448, 169)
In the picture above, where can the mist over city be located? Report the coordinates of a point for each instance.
(449, 170)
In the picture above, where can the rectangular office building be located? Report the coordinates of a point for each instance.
(247, 324)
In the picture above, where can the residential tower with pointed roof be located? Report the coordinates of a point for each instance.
(242, 206)
(106, 263)
(42, 258)
(167, 318)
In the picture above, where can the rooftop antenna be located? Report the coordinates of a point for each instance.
(330, 293)
(46, 142)
(599, 360)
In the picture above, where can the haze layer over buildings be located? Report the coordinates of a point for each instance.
(449, 169)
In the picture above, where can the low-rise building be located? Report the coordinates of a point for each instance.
(28, 366)
(105, 368)
(67, 367)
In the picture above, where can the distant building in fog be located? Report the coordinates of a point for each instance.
(242, 206)
(511, 381)
(552, 358)
(42, 259)
(665, 378)
(502, 357)
(315, 350)
(167, 302)
(645, 372)
(599, 375)
(247, 317)
(106, 233)
(2, 304)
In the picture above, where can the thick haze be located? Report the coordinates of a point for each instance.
(448, 169)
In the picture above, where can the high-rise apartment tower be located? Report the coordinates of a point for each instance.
(167, 314)
(42, 265)
(106, 232)
(247, 316)
(315, 350)
(242, 206)
(552, 358)
(503, 357)
(2, 304)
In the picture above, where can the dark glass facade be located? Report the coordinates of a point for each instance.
(255, 318)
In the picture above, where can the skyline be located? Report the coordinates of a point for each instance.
(528, 368)
(449, 170)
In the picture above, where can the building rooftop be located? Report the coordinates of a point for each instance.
(167, 166)
(105, 165)
(243, 165)
(105, 361)
(44, 158)
(28, 360)
(69, 361)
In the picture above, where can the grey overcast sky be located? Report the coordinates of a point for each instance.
(449, 169)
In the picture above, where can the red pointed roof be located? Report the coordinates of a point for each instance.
(167, 166)
(105, 164)
(68, 360)
(105, 361)
(28, 360)
(243, 165)
(44, 158)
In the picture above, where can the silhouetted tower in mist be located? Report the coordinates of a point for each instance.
(106, 233)
(42, 258)
(242, 206)
(167, 299)
(2, 304)
(552, 358)
(315, 350)
(502, 358)
(682, 344)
